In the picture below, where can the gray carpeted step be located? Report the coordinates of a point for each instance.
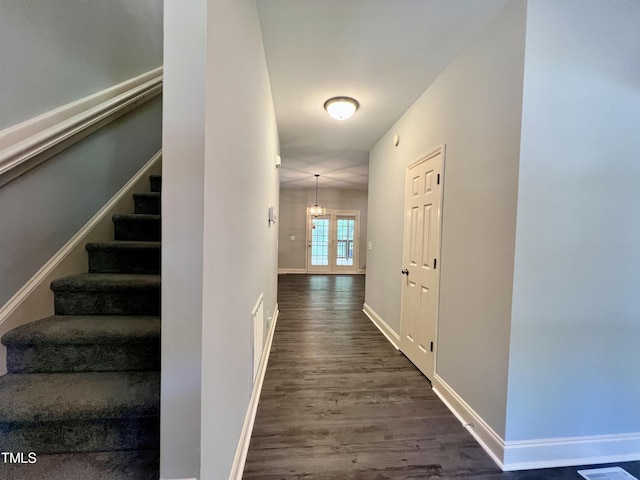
(147, 203)
(107, 294)
(127, 465)
(137, 227)
(156, 183)
(90, 343)
(124, 257)
(79, 412)
(87, 379)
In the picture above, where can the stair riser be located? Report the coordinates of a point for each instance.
(137, 229)
(74, 436)
(125, 261)
(131, 465)
(145, 204)
(130, 302)
(84, 358)
(156, 183)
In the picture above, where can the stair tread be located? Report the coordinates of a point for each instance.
(123, 245)
(41, 397)
(83, 282)
(85, 329)
(121, 465)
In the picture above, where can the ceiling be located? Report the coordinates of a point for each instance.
(384, 53)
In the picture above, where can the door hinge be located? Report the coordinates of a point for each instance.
(438, 181)
(432, 346)
(435, 262)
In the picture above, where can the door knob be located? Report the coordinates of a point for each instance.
(405, 272)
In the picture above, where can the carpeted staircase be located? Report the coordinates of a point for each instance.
(83, 386)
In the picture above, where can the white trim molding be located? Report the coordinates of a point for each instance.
(488, 439)
(285, 271)
(539, 453)
(30, 143)
(564, 452)
(35, 299)
(386, 330)
(237, 468)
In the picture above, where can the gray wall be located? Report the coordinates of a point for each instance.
(219, 251)
(475, 108)
(44, 208)
(576, 320)
(292, 220)
(54, 53)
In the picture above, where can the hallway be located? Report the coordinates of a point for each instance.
(339, 402)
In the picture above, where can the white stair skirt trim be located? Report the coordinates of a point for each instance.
(386, 330)
(237, 468)
(30, 143)
(488, 439)
(35, 299)
(564, 452)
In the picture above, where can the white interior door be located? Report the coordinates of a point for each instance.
(421, 255)
(333, 242)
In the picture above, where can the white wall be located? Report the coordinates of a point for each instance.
(220, 144)
(240, 256)
(56, 52)
(293, 221)
(475, 108)
(575, 361)
(182, 236)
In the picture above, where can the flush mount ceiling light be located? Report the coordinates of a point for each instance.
(341, 108)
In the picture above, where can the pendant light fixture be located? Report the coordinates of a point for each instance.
(317, 210)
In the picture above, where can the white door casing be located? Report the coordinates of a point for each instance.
(420, 260)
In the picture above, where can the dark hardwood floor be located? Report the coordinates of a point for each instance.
(339, 402)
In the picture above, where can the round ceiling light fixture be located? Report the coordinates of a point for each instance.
(341, 108)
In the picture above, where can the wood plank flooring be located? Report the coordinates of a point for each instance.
(339, 402)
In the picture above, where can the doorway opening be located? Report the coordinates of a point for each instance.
(332, 242)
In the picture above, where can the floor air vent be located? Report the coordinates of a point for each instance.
(257, 320)
(610, 473)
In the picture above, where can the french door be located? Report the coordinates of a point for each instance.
(332, 242)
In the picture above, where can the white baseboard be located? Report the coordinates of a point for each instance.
(539, 453)
(488, 439)
(285, 271)
(291, 270)
(30, 143)
(563, 452)
(35, 299)
(386, 330)
(237, 468)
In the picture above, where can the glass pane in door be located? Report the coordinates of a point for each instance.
(320, 241)
(344, 241)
